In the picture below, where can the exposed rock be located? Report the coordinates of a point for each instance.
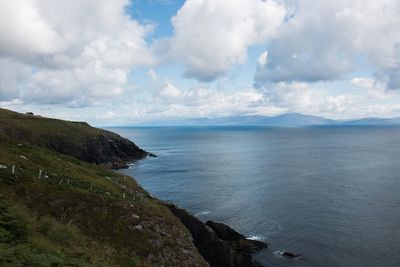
(289, 254)
(224, 232)
(138, 227)
(151, 155)
(76, 139)
(119, 165)
(109, 147)
(219, 244)
(237, 240)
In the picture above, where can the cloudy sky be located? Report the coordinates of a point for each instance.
(125, 62)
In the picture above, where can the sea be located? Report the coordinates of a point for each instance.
(331, 194)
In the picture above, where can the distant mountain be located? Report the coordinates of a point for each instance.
(373, 121)
(289, 119)
(283, 120)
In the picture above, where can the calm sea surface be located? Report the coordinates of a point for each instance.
(331, 194)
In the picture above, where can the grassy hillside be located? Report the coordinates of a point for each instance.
(79, 214)
(77, 139)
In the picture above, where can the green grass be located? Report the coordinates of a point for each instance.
(41, 220)
(76, 213)
(29, 128)
(77, 139)
(84, 223)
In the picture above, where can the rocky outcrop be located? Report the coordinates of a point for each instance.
(238, 241)
(110, 148)
(220, 245)
(76, 139)
(224, 232)
(104, 148)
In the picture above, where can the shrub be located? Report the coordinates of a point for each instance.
(59, 230)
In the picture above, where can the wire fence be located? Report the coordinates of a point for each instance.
(15, 174)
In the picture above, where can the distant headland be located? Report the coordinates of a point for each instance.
(283, 120)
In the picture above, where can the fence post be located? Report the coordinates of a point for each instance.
(40, 174)
(13, 169)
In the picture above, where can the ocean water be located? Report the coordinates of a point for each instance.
(331, 194)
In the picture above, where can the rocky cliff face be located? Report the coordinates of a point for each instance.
(220, 245)
(105, 148)
(76, 139)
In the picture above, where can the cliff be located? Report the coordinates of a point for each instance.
(58, 209)
(219, 244)
(76, 139)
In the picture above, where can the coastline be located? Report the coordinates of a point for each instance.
(217, 243)
(59, 169)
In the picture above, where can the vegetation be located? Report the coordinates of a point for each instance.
(77, 139)
(56, 210)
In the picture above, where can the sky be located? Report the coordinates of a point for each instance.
(127, 62)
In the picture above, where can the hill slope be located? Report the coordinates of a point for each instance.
(77, 139)
(56, 210)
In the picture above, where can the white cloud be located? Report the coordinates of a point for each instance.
(212, 36)
(167, 99)
(369, 100)
(79, 53)
(263, 58)
(363, 82)
(24, 31)
(292, 97)
(206, 102)
(163, 88)
(392, 75)
(73, 52)
(373, 88)
(322, 40)
(12, 74)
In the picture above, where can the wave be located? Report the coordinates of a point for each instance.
(202, 213)
(277, 253)
(256, 237)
